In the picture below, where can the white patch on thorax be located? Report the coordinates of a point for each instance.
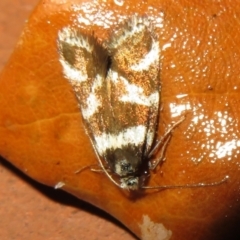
(118, 166)
(118, 169)
(133, 135)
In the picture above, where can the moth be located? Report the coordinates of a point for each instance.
(117, 84)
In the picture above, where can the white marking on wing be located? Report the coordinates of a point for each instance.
(133, 135)
(93, 104)
(92, 101)
(113, 76)
(135, 94)
(70, 36)
(135, 25)
(150, 138)
(72, 73)
(151, 57)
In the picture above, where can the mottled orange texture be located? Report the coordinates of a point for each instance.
(43, 135)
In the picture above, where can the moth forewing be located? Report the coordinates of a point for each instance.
(84, 63)
(134, 92)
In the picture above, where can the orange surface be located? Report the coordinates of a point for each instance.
(42, 132)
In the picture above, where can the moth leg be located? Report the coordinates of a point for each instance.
(84, 168)
(160, 158)
(163, 140)
(93, 168)
(99, 169)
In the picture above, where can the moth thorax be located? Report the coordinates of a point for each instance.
(130, 183)
(124, 162)
(124, 168)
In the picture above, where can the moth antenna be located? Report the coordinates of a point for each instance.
(196, 185)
